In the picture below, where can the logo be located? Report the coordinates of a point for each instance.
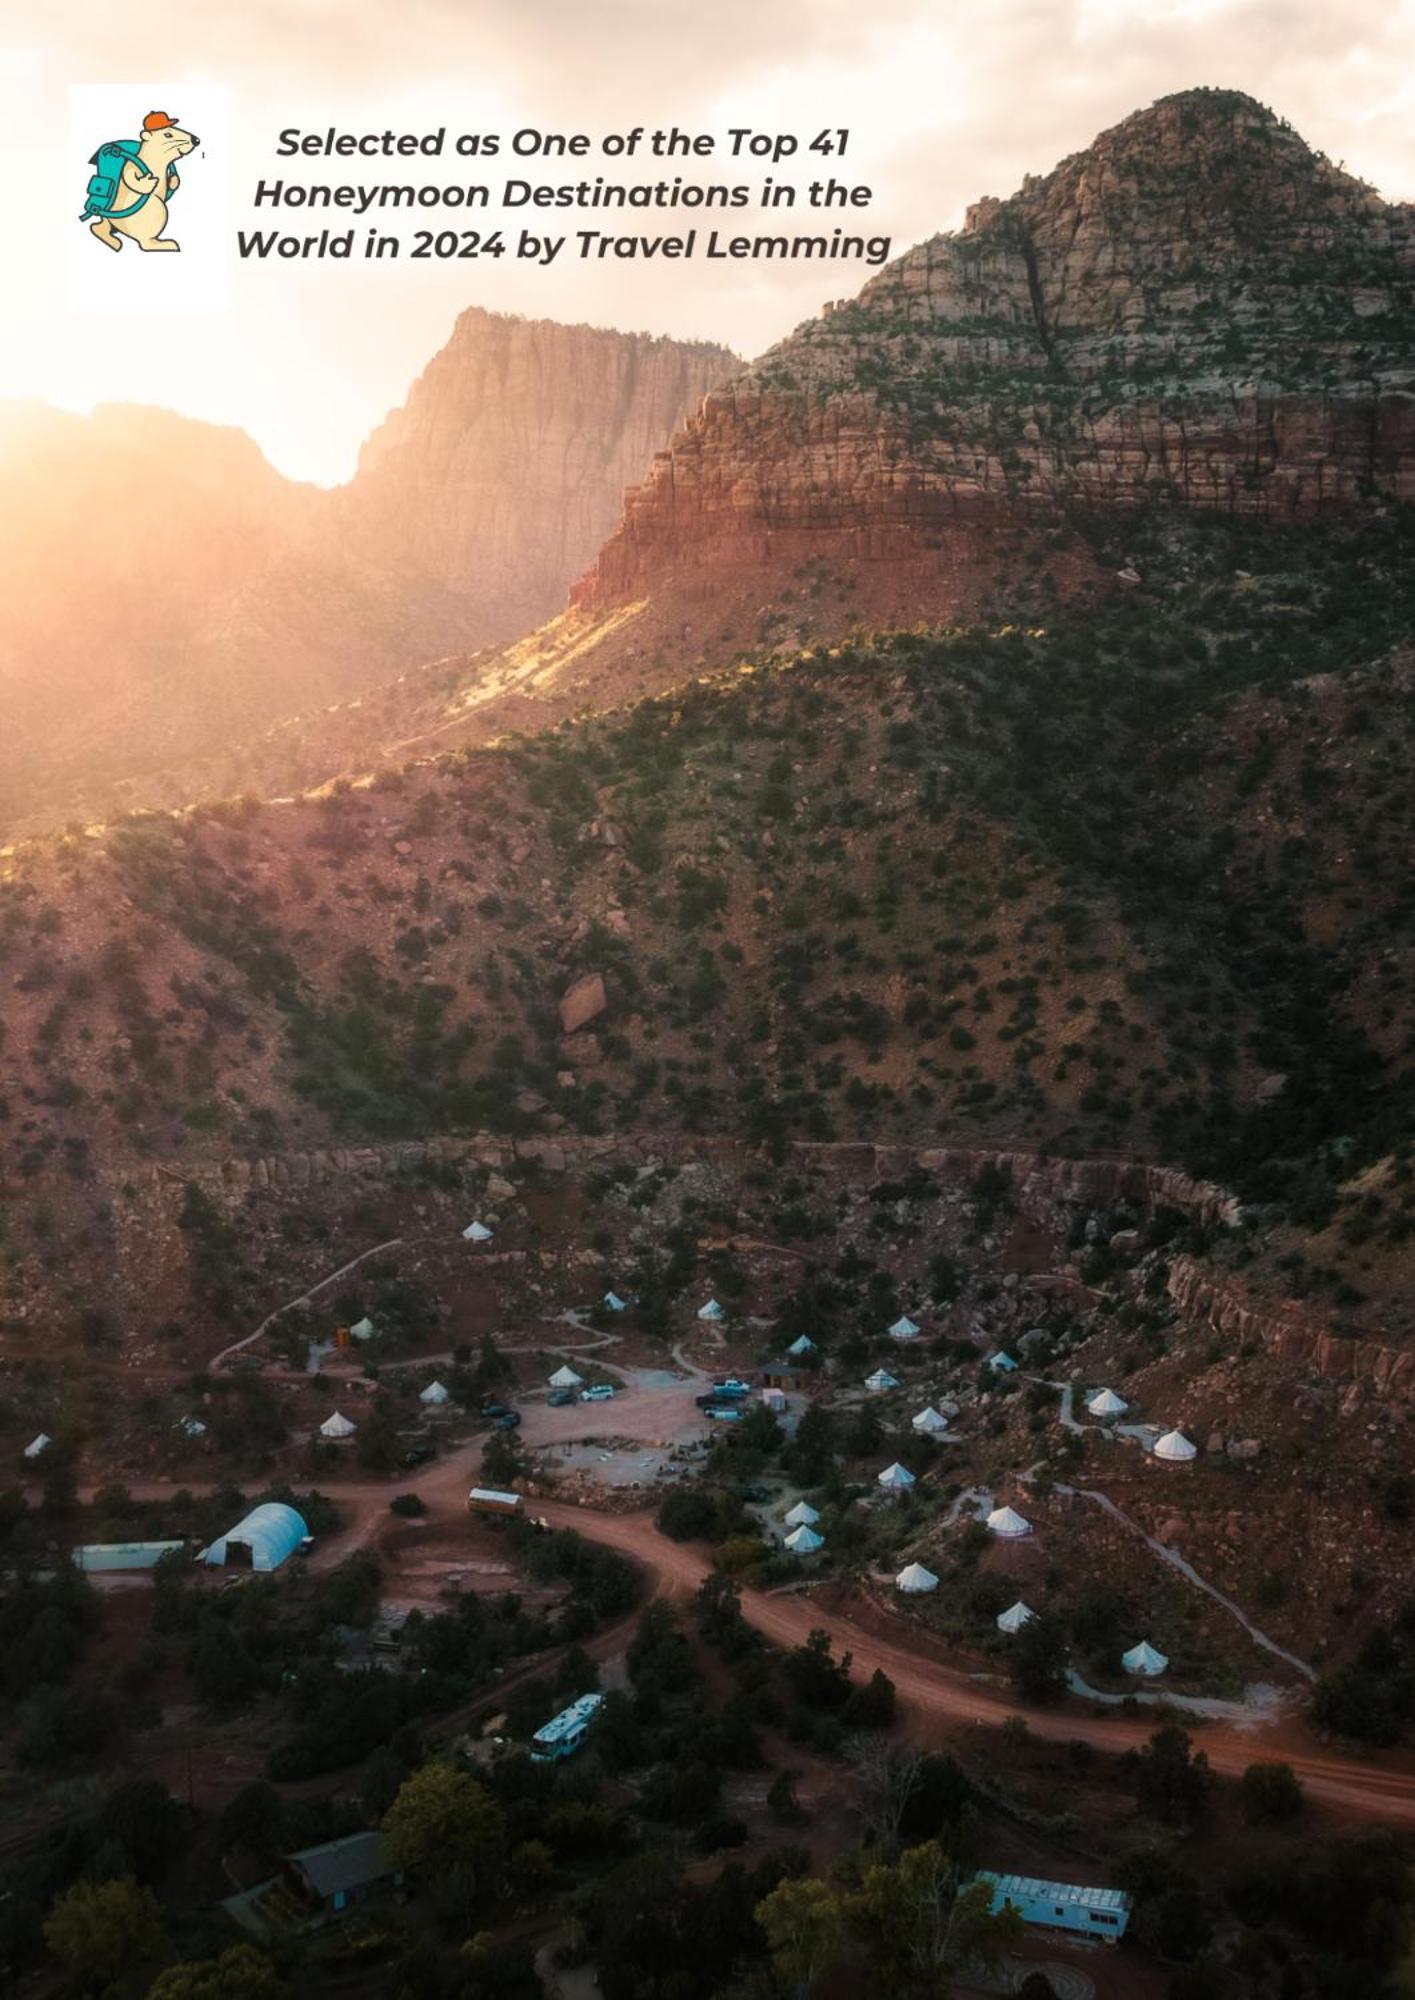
(133, 185)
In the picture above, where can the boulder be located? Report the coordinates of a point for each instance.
(582, 1003)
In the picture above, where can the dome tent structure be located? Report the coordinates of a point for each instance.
(895, 1478)
(476, 1232)
(37, 1447)
(712, 1310)
(1008, 1524)
(1143, 1659)
(434, 1393)
(613, 1303)
(904, 1328)
(337, 1426)
(263, 1540)
(566, 1378)
(1014, 1617)
(929, 1422)
(915, 1581)
(1175, 1449)
(881, 1379)
(804, 1541)
(1105, 1403)
(363, 1329)
(802, 1515)
(801, 1346)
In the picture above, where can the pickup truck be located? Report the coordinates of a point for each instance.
(598, 1392)
(732, 1386)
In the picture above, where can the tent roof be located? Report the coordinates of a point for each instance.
(1003, 1361)
(928, 1419)
(896, 1475)
(904, 1328)
(1015, 1617)
(363, 1329)
(804, 1541)
(1007, 1521)
(271, 1532)
(914, 1577)
(1105, 1403)
(881, 1379)
(802, 1345)
(350, 1863)
(476, 1232)
(566, 1378)
(1175, 1447)
(613, 1301)
(435, 1392)
(38, 1445)
(337, 1426)
(1143, 1659)
(802, 1515)
(712, 1310)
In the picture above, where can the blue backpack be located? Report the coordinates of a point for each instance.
(107, 182)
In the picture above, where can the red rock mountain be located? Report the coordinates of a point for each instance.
(1195, 310)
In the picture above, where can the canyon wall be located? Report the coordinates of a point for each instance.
(1196, 310)
(1205, 1299)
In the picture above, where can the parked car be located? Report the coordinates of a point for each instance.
(493, 1409)
(508, 1420)
(419, 1454)
(598, 1392)
(558, 1398)
(756, 1494)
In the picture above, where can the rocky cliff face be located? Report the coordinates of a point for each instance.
(1197, 310)
(494, 484)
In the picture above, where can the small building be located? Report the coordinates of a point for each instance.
(1106, 1404)
(337, 1428)
(780, 1375)
(262, 1541)
(476, 1232)
(915, 1581)
(435, 1394)
(804, 1541)
(339, 1875)
(895, 1478)
(1175, 1449)
(774, 1399)
(712, 1310)
(1014, 1617)
(1060, 1906)
(37, 1447)
(802, 1515)
(904, 1328)
(104, 1558)
(566, 1378)
(881, 1380)
(1143, 1659)
(565, 1733)
(1007, 1524)
(930, 1423)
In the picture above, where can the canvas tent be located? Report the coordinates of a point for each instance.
(914, 1580)
(566, 1378)
(267, 1535)
(930, 1422)
(191, 1427)
(881, 1379)
(1002, 1363)
(434, 1393)
(1175, 1449)
(804, 1541)
(1015, 1617)
(613, 1301)
(895, 1478)
(337, 1426)
(363, 1329)
(37, 1447)
(476, 1232)
(1107, 1404)
(712, 1310)
(904, 1328)
(802, 1515)
(803, 1345)
(1143, 1659)
(1007, 1523)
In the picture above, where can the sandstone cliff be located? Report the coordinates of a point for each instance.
(1196, 310)
(494, 484)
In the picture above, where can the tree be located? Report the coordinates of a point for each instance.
(924, 1925)
(241, 1973)
(1270, 1791)
(803, 1921)
(145, 1822)
(443, 1819)
(1039, 1660)
(101, 1931)
(1175, 1781)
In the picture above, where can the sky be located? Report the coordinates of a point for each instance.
(943, 102)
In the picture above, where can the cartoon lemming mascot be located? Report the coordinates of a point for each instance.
(133, 181)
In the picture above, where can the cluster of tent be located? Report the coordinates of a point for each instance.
(803, 1539)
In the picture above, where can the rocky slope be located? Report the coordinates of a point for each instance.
(1195, 310)
(505, 469)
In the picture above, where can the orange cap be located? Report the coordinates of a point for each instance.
(156, 120)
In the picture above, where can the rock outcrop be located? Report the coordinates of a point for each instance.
(1196, 310)
(494, 484)
(1205, 1299)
